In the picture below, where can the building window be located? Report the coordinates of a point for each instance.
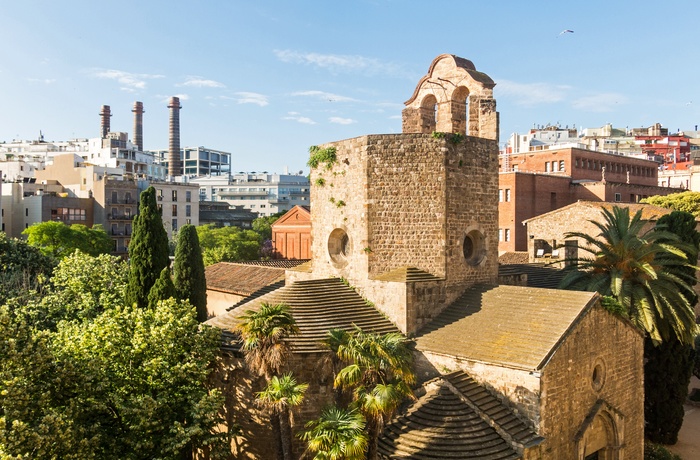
(188, 210)
(174, 210)
(500, 194)
(174, 195)
(26, 212)
(160, 208)
(618, 197)
(507, 194)
(159, 196)
(500, 234)
(562, 165)
(174, 225)
(507, 234)
(546, 166)
(188, 221)
(555, 166)
(188, 196)
(115, 197)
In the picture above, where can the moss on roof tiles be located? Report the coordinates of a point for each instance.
(407, 275)
(317, 307)
(506, 325)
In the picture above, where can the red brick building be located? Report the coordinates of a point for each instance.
(291, 234)
(534, 183)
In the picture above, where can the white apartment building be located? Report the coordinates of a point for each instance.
(263, 193)
(198, 161)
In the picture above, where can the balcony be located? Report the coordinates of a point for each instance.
(122, 201)
(126, 217)
(240, 193)
(122, 233)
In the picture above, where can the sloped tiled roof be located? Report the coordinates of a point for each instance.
(277, 263)
(517, 257)
(456, 419)
(649, 211)
(538, 275)
(506, 325)
(407, 275)
(241, 279)
(317, 307)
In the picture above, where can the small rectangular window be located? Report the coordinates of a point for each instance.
(174, 210)
(188, 210)
(174, 195)
(188, 196)
(174, 225)
(507, 234)
(618, 197)
(500, 194)
(507, 194)
(500, 234)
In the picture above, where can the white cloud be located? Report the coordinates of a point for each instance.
(330, 97)
(129, 81)
(199, 82)
(601, 102)
(342, 121)
(531, 94)
(340, 62)
(296, 116)
(244, 97)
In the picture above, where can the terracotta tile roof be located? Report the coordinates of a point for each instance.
(278, 263)
(241, 279)
(317, 307)
(517, 257)
(456, 418)
(407, 275)
(538, 275)
(505, 325)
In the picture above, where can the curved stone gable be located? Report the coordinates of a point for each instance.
(454, 98)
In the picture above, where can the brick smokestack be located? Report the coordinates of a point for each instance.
(105, 113)
(174, 162)
(138, 125)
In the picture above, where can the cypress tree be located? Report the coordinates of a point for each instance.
(669, 365)
(148, 250)
(163, 289)
(188, 270)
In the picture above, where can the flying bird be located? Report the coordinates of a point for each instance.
(566, 31)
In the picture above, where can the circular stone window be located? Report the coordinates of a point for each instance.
(339, 247)
(473, 247)
(598, 376)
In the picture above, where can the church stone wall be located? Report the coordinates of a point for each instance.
(599, 364)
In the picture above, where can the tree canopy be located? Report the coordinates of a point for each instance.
(57, 239)
(228, 244)
(23, 268)
(684, 201)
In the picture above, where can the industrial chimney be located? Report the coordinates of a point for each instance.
(174, 161)
(138, 125)
(104, 120)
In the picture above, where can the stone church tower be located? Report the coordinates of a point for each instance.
(411, 219)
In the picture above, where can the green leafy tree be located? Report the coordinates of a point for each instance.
(280, 396)
(38, 418)
(188, 271)
(379, 374)
(81, 288)
(144, 379)
(148, 250)
(228, 244)
(641, 270)
(57, 239)
(684, 201)
(23, 268)
(339, 434)
(163, 289)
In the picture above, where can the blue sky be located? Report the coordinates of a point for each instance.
(265, 80)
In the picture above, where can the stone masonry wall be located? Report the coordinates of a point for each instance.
(569, 393)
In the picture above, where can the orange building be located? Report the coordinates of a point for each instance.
(291, 234)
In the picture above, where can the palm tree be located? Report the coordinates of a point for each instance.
(379, 374)
(263, 333)
(280, 396)
(643, 271)
(337, 435)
